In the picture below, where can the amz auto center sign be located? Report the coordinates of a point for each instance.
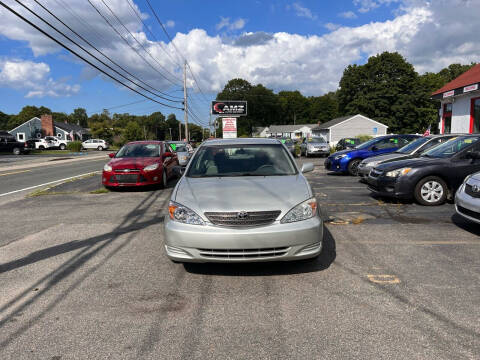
(229, 108)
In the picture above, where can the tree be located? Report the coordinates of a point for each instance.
(102, 130)
(386, 89)
(26, 114)
(60, 117)
(323, 108)
(79, 116)
(132, 132)
(295, 107)
(4, 119)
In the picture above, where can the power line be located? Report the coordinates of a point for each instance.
(174, 46)
(126, 41)
(136, 40)
(81, 57)
(100, 52)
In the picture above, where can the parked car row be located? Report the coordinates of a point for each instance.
(428, 169)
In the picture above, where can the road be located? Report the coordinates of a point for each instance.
(85, 276)
(14, 180)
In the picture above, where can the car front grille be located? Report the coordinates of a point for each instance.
(126, 178)
(250, 218)
(472, 214)
(469, 191)
(243, 253)
(374, 173)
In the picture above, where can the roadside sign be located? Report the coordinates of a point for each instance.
(375, 131)
(229, 108)
(229, 126)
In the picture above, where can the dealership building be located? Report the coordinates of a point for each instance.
(460, 99)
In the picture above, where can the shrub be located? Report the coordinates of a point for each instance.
(364, 138)
(74, 146)
(297, 150)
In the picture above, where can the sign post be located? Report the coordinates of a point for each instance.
(229, 126)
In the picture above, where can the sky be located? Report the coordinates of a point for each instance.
(284, 45)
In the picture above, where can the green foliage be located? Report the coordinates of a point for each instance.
(26, 114)
(132, 132)
(79, 116)
(4, 119)
(74, 146)
(102, 130)
(364, 138)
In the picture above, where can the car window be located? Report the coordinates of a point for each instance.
(434, 143)
(316, 140)
(367, 144)
(414, 145)
(452, 147)
(241, 160)
(388, 143)
(139, 150)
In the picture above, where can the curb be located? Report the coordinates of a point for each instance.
(53, 162)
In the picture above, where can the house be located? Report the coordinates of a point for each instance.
(460, 103)
(291, 131)
(260, 132)
(349, 126)
(36, 128)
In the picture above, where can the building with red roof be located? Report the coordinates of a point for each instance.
(460, 98)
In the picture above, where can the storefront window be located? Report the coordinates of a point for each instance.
(476, 116)
(447, 118)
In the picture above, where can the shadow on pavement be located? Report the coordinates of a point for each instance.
(466, 225)
(322, 262)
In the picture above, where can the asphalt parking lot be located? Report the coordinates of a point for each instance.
(84, 275)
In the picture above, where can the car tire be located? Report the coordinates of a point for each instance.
(16, 151)
(41, 147)
(100, 148)
(431, 191)
(353, 167)
(164, 182)
(62, 147)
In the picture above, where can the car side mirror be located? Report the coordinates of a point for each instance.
(307, 167)
(374, 148)
(112, 155)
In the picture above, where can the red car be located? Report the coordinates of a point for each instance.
(140, 163)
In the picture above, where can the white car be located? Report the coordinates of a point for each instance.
(56, 142)
(98, 144)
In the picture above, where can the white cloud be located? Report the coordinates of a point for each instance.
(431, 35)
(302, 11)
(348, 15)
(34, 78)
(331, 26)
(170, 24)
(226, 24)
(368, 5)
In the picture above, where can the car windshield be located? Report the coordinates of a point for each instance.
(451, 147)
(317, 140)
(409, 148)
(241, 160)
(367, 144)
(139, 150)
(286, 141)
(181, 148)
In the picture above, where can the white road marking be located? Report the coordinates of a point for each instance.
(48, 183)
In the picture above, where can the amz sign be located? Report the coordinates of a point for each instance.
(229, 108)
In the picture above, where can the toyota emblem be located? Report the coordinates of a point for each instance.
(242, 215)
(476, 188)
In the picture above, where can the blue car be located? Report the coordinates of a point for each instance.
(347, 161)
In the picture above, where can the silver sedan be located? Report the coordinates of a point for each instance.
(467, 198)
(243, 200)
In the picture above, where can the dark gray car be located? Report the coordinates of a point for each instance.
(413, 149)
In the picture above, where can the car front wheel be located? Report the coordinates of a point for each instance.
(62, 147)
(353, 167)
(431, 191)
(16, 151)
(100, 148)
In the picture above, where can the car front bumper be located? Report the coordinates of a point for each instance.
(275, 242)
(467, 206)
(141, 178)
(318, 151)
(335, 165)
(390, 187)
(363, 172)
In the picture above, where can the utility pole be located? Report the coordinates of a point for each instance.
(185, 108)
(294, 118)
(170, 133)
(180, 131)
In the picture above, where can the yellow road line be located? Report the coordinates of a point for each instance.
(15, 172)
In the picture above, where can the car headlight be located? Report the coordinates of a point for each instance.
(338, 157)
(398, 172)
(302, 211)
(183, 214)
(107, 167)
(372, 164)
(310, 147)
(466, 179)
(151, 167)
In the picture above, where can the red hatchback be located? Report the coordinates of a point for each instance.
(140, 163)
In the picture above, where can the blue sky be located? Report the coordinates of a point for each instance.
(282, 44)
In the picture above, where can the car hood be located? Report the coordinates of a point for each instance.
(410, 162)
(476, 176)
(132, 163)
(341, 152)
(388, 157)
(247, 193)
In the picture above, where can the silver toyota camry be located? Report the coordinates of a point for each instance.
(243, 200)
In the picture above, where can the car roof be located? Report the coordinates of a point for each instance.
(243, 141)
(145, 142)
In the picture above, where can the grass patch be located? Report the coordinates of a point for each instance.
(100, 191)
(47, 191)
